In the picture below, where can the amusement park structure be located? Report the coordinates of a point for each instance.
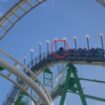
(102, 2)
(27, 85)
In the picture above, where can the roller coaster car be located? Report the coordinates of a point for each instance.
(82, 52)
(96, 52)
(72, 52)
(93, 52)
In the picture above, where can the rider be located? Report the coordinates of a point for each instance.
(60, 51)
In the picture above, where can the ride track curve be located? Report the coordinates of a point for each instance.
(23, 77)
(45, 61)
(15, 13)
(75, 56)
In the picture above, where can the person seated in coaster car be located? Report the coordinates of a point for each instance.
(60, 51)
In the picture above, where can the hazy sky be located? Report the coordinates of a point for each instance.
(55, 19)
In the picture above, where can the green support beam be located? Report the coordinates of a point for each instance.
(19, 100)
(92, 80)
(81, 93)
(95, 98)
(48, 78)
(91, 97)
(1, 68)
(72, 83)
(66, 87)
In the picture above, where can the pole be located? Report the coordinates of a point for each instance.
(31, 51)
(87, 39)
(47, 42)
(65, 39)
(55, 45)
(40, 50)
(24, 61)
(101, 38)
(75, 42)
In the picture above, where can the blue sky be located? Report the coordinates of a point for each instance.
(54, 19)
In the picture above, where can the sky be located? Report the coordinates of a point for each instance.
(56, 19)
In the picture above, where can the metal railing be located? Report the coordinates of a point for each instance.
(94, 54)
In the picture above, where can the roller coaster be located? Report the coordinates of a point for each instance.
(27, 85)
